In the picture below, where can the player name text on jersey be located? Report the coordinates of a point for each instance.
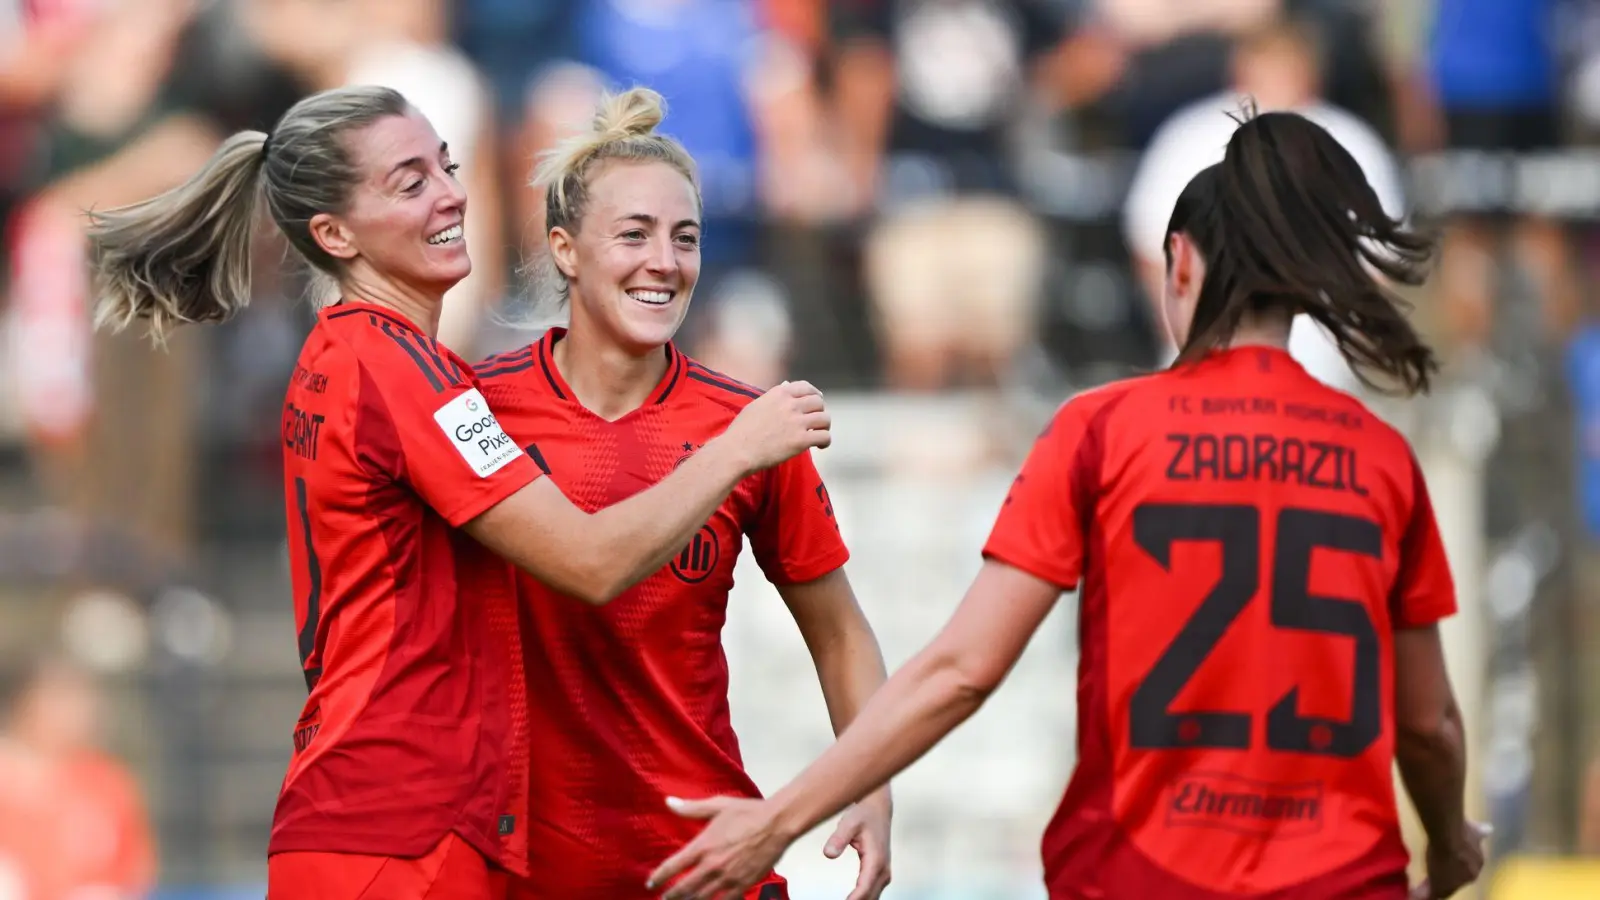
(1232, 456)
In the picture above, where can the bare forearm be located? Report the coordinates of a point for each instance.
(594, 557)
(916, 708)
(850, 670)
(1433, 766)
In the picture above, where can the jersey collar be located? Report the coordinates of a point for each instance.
(351, 307)
(1265, 359)
(543, 354)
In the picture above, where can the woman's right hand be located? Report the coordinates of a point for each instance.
(1454, 865)
(782, 423)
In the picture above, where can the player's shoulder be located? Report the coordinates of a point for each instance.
(509, 366)
(388, 347)
(701, 387)
(1356, 415)
(1095, 403)
(517, 379)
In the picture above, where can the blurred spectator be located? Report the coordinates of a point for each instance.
(748, 333)
(1141, 60)
(38, 42)
(1589, 811)
(117, 133)
(1355, 72)
(1487, 90)
(515, 43)
(1153, 22)
(72, 822)
(927, 96)
(1278, 66)
(403, 44)
(141, 104)
(804, 23)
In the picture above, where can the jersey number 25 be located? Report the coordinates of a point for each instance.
(1157, 526)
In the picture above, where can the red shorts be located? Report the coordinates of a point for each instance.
(452, 870)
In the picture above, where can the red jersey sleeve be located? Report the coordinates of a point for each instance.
(1424, 591)
(796, 538)
(1039, 529)
(454, 453)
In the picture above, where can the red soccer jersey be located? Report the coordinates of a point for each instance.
(407, 628)
(1247, 541)
(631, 699)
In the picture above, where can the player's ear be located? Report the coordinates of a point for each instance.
(332, 236)
(1188, 269)
(564, 252)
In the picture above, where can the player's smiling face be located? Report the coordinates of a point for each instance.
(634, 261)
(403, 221)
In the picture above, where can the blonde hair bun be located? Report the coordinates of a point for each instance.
(633, 113)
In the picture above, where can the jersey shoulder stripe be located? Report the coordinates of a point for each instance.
(508, 363)
(716, 379)
(422, 351)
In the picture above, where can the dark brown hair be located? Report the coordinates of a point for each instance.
(1288, 224)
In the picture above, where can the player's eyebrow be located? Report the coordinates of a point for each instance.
(417, 161)
(647, 219)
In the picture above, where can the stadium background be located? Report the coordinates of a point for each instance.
(142, 534)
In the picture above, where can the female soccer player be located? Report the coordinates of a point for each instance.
(633, 698)
(1259, 576)
(409, 771)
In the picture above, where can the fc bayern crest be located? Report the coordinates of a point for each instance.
(698, 560)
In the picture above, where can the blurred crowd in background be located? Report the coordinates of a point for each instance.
(947, 212)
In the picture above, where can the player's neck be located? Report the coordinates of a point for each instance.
(1260, 334)
(608, 380)
(420, 306)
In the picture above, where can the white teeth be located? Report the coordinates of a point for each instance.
(654, 298)
(444, 237)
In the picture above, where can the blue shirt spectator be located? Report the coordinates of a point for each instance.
(698, 54)
(1494, 54)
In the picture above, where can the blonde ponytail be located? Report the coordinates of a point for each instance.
(183, 256)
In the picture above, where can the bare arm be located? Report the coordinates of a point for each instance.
(596, 556)
(1430, 745)
(843, 648)
(924, 701)
(940, 688)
